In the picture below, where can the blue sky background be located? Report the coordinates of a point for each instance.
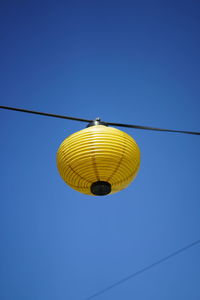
(125, 61)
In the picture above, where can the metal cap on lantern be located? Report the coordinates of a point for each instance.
(98, 160)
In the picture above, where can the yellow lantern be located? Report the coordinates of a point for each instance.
(98, 160)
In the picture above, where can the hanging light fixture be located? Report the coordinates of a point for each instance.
(98, 160)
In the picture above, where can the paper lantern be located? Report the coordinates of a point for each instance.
(98, 160)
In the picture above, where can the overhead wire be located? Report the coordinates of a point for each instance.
(107, 123)
(143, 270)
(44, 114)
(152, 128)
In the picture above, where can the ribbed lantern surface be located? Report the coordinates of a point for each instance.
(98, 160)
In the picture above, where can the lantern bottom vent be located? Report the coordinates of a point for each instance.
(101, 188)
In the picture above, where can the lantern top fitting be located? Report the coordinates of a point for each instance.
(95, 122)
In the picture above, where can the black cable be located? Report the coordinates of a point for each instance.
(152, 128)
(135, 274)
(108, 123)
(44, 114)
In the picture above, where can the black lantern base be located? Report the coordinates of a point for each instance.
(100, 188)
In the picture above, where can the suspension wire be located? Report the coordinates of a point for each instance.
(152, 128)
(44, 114)
(107, 123)
(143, 270)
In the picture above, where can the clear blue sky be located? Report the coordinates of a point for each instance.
(125, 61)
